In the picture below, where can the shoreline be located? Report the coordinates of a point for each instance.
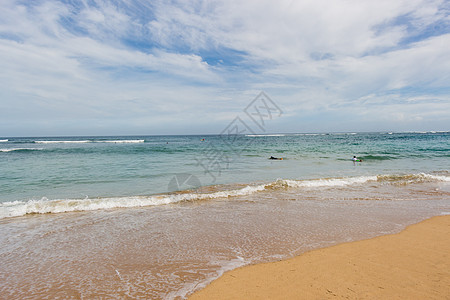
(22, 207)
(412, 264)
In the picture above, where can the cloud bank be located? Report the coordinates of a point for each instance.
(186, 67)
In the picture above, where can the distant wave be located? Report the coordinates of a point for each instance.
(3, 141)
(419, 132)
(287, 134)
(343, 133)
(263, 135)
(62, 142)
(20, 149)
(122, 141)
(377, 157)
(432, 131)
(89, 141)
(44, 206)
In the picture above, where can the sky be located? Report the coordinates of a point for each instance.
(142, 67)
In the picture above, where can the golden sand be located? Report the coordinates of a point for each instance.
(413, 264)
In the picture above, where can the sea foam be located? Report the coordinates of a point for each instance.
(62, 142)
(44, 205)
(89, 141)
(20, 149)
(122, 141)
(329, 182)
(263, 135)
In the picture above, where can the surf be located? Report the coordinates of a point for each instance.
(46, 206)
(63, 142)
(88, 141)
(20, 149)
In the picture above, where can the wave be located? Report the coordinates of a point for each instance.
(263, 135)
(418, 132)
(377, 157)
(412, 178)
(44, 205)
(62, 142)
(320, 183)
(3, 141)
(288, 134)
(89, 141)
(343, 133)
(20, 149)
(431, 131)
(122, 141)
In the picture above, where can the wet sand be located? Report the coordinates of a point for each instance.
(413, 264)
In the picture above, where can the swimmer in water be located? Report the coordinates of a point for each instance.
(355, 160)
(275, 158)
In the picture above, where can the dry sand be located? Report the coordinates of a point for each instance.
(414, 264)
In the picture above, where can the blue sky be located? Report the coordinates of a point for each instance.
(190, 67)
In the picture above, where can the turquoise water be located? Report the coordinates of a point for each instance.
(92, 167)
(158, 217)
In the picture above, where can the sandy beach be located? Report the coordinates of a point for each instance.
(413, 264)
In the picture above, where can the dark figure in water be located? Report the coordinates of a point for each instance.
(275, 158)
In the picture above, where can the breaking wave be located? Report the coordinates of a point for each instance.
(89, 141)
(62, 142)
(122, 141)
(44, 205)
(412, 178)
(20, 149)
(321, 183)
(263, 135)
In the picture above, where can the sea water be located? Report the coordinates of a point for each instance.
(161, 216)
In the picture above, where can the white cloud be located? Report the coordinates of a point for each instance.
(150, 60)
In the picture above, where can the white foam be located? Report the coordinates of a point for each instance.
(43, 206)
(309, 134)
(19, 149)
(123, 141)
(432, 131)
(225, 266)
(263, 135)
(89, 141)
(338, 182)
(435, 177)
(412, 178)
(343, 133)
(329, 182)
(62, 142)
(3, 141)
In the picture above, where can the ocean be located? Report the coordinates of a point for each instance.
(162, 216)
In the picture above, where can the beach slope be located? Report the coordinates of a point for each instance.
(413, 264)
